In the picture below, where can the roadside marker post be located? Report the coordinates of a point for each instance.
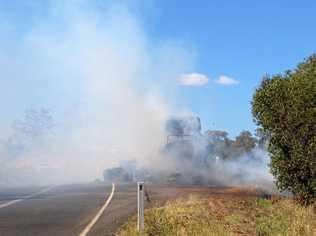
(140, 203)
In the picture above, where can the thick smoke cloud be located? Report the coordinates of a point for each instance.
(110, 89)
(107, 83)
(195, 163)
(247, 170)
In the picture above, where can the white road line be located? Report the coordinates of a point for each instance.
(22, 199)
(95, 219)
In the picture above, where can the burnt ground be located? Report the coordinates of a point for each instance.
(66, 210)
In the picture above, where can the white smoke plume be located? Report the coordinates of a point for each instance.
(248, 170)
(107, 83)
(110, 88)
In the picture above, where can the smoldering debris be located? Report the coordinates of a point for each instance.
(191, 157)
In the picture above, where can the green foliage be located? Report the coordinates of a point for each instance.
(264, 203)
(268, 225)
(221, 145)
(245, 141)
(285, 107)
(285, 218)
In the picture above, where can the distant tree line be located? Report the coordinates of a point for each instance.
(219, 143)
(28, 131)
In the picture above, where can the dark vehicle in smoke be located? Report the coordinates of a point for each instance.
(118, 175)
(127, 172)
(185, 148)
(182, 128)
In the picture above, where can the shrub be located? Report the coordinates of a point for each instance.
(285, 107)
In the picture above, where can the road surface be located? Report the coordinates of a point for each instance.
(65, 210)
(62, 210)
(68, 210)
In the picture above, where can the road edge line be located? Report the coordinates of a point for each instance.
(98, 215)
(9, 203)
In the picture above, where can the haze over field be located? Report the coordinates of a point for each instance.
(102, 81)
(106, 88)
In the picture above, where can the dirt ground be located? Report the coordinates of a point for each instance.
(160, 194)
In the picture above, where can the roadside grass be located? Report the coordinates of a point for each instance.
(180, 217)
(286, 218)
(199, 216)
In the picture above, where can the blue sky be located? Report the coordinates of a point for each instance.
(241, 40)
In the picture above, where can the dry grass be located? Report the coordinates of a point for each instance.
(181, 217)
(226, 216)
(286, 218)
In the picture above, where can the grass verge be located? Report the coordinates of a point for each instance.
(212, 216)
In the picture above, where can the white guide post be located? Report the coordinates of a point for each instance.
(140, 201)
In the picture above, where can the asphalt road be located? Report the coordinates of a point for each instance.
(62, 210)
(68, 210)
